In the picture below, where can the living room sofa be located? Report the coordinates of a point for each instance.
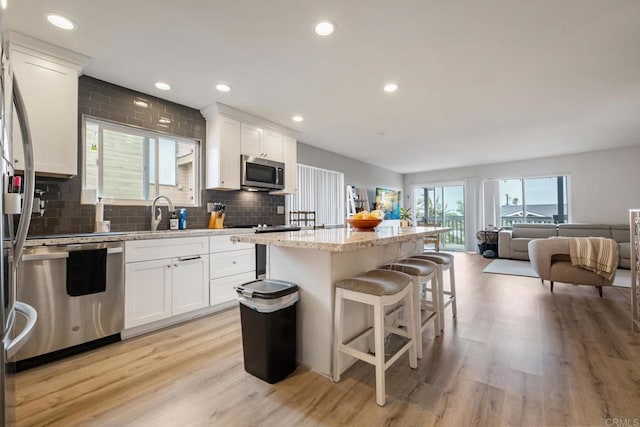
(514, 243)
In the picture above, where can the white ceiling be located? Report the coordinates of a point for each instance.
(480, 81)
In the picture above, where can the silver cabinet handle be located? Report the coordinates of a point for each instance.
(188, 258)
(32, 315)
(169, 266)
(39, 257)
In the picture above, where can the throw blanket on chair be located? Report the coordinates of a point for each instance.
(597, 254)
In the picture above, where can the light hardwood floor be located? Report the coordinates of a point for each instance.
(517, 355)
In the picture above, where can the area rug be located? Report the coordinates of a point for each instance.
(523, 268)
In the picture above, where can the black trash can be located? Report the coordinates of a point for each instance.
(268, 317)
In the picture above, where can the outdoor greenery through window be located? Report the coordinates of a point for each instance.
(442, 205)
(534, 200)
(125, 164)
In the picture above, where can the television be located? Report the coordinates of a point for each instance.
(388, 201)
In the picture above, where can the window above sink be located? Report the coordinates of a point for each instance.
(127, 165)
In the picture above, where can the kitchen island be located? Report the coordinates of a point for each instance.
(315, 260)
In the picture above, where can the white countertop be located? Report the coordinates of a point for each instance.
(339, 239)
(133, 235)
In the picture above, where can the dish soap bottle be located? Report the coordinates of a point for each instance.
(182, 221)
(173, 221)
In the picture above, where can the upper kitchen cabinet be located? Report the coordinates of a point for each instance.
(48, 80)
(272, 145)
(231, 132)
(261, 142)
(290, 159)
(223, 153)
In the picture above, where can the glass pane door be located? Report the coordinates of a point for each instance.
(443, 205)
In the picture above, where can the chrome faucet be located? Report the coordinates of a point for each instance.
(156, 220)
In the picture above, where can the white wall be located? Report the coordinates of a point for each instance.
(603, 185)
(356, 173)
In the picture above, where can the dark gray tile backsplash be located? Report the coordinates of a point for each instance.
(65, 214)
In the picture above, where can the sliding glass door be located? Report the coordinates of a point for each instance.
(442, 205)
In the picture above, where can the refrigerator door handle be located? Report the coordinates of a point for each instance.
(32, 316)
(29, 173)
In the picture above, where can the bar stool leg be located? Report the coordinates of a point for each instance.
(440, 296)
(435, 292)
(337, 335)
(452, 279)
(417, 316)
(409, 301)
(378, 321)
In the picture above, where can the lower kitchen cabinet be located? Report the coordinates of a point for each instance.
(165, 278)
(147, 292)
(222, 290)
(190, 288)
(231, 264)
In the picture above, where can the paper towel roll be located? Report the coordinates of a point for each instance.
(99, 212)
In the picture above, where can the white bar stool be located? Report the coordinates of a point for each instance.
(421, 272)
(377, 288)
(444, 262)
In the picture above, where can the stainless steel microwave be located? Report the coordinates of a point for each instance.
(258, 173)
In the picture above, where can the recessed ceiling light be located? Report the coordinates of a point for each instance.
(141, 103)
(390, 87)
(297, 118)
(4, 4)
(164, 120)
(223, 87)
(163, 86)
(60, 21)
(324, 28)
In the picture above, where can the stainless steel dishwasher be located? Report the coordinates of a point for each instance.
(66, 322)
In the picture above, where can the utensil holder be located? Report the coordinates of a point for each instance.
(219, 221)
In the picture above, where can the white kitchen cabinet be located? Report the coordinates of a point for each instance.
(165, 278)
(223, 153)
(230, 133)
(190, 283)
(272, 145)
(251, 140)
(261, 142)
(222, 290)
(147, 292)
(290, 159)
(230, 264)
(49, 87)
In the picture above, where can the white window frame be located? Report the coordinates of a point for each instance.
(568, 200)
(145, 133)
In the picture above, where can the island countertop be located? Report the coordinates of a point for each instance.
(339, 239)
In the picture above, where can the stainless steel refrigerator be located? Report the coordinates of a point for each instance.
(14, 222)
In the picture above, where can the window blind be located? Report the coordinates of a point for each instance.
(321, 191)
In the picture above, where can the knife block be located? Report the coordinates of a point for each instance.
(216, 221)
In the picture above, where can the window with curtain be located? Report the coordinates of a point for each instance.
(321, 191)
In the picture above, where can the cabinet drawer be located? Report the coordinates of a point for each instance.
(224, 244)
(229, 263)
(221, 290)
(144, 250)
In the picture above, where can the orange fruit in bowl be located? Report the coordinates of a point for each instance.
(377, 214)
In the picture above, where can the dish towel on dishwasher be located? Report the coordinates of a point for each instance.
(86, 272)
